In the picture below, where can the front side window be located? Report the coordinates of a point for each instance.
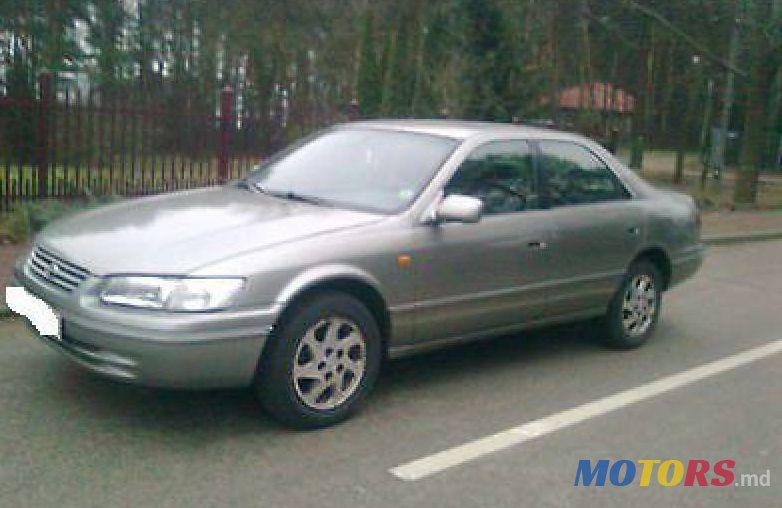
(374, 169)
(501, 174)
(575, 176)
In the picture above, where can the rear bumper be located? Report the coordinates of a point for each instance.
(177, 350)
(686, 264)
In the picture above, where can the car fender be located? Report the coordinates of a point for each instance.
(324, 273)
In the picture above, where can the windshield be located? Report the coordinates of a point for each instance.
(380, 170)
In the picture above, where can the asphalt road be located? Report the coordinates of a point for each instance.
(70, 439)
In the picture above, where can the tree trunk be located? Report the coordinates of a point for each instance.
(555, 63)
(727, 101)
(668, 92)
(763, 58)
(746, 190)
(705, 131)
(586, 89)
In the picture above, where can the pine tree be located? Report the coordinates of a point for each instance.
(486, 65)
(398, 98)
(370, 75)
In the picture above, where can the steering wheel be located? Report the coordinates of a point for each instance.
(508, 190)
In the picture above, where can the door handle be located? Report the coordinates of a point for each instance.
(635, 230)
(538, 244)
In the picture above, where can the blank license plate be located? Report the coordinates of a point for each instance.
(45, 319)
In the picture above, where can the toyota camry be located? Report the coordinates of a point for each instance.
(364, 241)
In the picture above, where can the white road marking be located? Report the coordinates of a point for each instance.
(432, 464)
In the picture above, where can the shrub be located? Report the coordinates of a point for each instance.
(27, 219)
(15, 225)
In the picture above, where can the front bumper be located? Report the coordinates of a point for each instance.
(686, 264)
(178, 350)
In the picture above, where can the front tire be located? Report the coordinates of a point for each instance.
(321, 363)
(635, 309)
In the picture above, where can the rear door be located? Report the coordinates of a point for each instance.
(597, 227)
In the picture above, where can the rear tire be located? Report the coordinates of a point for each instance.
(635, 308)
(321, 363)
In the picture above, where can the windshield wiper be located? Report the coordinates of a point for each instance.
(290, 195)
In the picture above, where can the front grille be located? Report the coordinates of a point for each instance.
(55, 271)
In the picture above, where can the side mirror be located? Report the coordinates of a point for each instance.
(459, 208)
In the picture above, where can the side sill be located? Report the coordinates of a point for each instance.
(405, 350)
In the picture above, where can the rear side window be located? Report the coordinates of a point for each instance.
(575, 176)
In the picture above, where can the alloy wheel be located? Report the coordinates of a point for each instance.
(329, 363)
(639, 305)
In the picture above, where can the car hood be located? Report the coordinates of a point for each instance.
(179, 233)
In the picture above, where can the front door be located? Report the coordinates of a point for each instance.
(472, 278)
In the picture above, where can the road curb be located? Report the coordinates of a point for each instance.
(753, 236)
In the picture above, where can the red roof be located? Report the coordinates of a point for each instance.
(597, 96)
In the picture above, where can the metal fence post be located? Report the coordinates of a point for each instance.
(226, 126)
(42, 146)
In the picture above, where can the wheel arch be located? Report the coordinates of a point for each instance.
(352, 281)
(657, 256)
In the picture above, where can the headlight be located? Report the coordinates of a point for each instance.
(178, 294)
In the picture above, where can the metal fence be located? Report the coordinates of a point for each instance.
(64, 143)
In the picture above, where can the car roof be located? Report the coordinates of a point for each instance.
(463, 129)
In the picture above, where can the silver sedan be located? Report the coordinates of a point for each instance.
(367, 240)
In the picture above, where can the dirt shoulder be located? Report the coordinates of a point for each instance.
(736, 223)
